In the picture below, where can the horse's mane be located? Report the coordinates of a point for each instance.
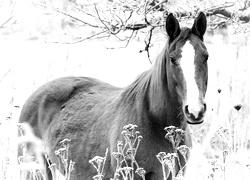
(154, 78)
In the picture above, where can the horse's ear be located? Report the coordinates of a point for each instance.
(200, 25)
(172, 27)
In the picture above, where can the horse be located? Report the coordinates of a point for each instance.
(92, 113)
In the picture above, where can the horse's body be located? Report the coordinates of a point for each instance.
(92, 113)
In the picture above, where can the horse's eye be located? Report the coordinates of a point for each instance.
(206, 58)
(173, 61)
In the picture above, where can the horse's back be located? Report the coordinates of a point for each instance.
(41, 107)
(72, 108)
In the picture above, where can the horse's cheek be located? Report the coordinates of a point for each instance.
(172, 81)
(180, 85)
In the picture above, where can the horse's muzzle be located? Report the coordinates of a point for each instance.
(195, 116)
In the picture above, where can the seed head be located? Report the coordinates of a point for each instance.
(97, 159)
(117, 155)
(160, 156)
(140, 137)
(98, 177)
(60, 151)
(140, 171)
(183, 149)
(130, 127)
(65, 142)
(130, 153)
(127, 170)
(119, 146)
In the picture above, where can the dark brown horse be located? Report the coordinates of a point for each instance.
(92, 113)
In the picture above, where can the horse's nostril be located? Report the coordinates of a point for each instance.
(204, 107)
(186, 110)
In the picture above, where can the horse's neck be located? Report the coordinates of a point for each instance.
(163, 105)
(150, 95)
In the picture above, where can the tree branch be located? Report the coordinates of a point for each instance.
(147, 47)
(116, 17)
(227, 14)
(6, 22)
(71, 16)
(96, 36)
(135, 27)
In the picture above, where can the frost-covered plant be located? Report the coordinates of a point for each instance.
(169, 160)
(63, 157)
(125, 155)
(98, 163)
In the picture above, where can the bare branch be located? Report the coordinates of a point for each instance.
(77, 19)
(148, 42)
(91, 37)
(228, 14)
(100, 18)
(3, 25)
(135, 27)
(71, 16)
(81, 10)
(96, 36)
(246, 5)
(11, 16)
(5, 75)
(117, 18)
(128, 39)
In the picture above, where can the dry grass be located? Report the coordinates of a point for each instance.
(227, 158)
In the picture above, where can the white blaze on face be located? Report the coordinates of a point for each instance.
(188, 69)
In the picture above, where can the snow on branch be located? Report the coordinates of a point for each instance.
(125, 19)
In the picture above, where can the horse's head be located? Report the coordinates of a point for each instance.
(187, 66)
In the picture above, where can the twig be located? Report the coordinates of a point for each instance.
(221, 10)
(83, 39)
(102, 21)
(79, 9)
(148, 44)
(246, 5)
(5, 22)
(153, 6)
(70, 16)
(77, 19)
(119, 17)
(5, 75)
(10, 18)
(128, 39)
(135, 27)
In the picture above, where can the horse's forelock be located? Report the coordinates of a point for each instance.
(184, 35)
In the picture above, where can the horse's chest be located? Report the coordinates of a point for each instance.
(146, 155)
